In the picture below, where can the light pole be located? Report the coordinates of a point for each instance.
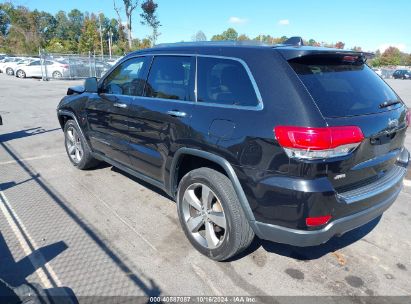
(110, 37)
(101, 37)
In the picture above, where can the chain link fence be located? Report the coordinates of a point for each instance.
(73, 66)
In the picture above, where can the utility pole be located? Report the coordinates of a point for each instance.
(101, 37)
(110, 37)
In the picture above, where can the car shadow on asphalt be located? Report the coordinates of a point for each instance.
(150, 289)
(14, 287)
(24, 133)
(313, 252)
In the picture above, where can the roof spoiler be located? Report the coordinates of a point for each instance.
(295, 41)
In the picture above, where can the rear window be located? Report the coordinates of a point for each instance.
(342, 86)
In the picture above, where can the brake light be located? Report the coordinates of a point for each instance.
(408, 117)
(314, 143)
(317, 221)
(64, 66)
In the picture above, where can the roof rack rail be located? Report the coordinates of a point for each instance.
(295, 41)
(213, 43)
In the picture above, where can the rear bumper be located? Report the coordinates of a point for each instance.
(304, 238)
(374, 200)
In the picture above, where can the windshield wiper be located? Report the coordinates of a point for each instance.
(388, 103)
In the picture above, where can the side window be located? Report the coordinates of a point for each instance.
(126, 79)
(224, 81)
(37, 62)
(170, 78)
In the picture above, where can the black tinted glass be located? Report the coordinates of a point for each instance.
(126, 79)
(224, 81)
(169, 78)
(342, 88)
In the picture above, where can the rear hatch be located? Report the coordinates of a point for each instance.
(348, 93)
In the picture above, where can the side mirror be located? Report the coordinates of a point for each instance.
(90, 85)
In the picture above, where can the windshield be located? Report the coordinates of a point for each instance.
(342, 86)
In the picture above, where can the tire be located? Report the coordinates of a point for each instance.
(224, 208)
(77, 149)
(20, 74)
(56, 74)
(9, 71)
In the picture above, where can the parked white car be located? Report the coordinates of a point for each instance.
(11, 67)
(7, 61)
(54, 69)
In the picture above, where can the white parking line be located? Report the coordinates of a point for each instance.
(31, 158)
(407, 183)
(20, 231)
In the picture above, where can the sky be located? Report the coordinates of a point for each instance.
(371, 24)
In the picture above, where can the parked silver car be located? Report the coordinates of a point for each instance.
(48, 68)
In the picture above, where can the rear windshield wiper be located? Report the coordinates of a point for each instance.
(388, 103)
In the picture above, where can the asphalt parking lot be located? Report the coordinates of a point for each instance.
(102, 232)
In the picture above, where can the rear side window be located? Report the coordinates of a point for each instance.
(171, 77)
(224, 81)
(342, 87)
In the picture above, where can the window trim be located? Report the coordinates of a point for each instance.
(191, 94)
(258, 107)
(146, 68)
(260, 104)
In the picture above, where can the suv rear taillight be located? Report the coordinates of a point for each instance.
(316, 143)
(408, 117)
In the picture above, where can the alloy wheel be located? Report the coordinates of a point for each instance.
(74, 145)
(57, 74)
(204, 215)
(21, 74)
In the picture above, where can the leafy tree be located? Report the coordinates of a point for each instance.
(357, 49)
(312, 42)
(141, 44)
(391, 56)
(129, 7)
(149, 16)
(4, 21)
(76, 23)
(89, 39)
(62, 26)
(199, 36)
(229, 34)
(243, 37)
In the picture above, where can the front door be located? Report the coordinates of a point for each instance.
(108, 111)
(160, 120)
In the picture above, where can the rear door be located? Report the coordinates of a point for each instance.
(160, 120)
(108, 112)
(348, 93)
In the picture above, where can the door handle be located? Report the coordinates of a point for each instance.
(120, 105)
(176, 113)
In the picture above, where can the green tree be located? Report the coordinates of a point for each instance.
(89, 39)
(149, 16)
(129, 7)
(391, 56)
(229, 34)
(243, 37)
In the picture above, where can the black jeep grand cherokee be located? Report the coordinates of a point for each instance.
(291, 143)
